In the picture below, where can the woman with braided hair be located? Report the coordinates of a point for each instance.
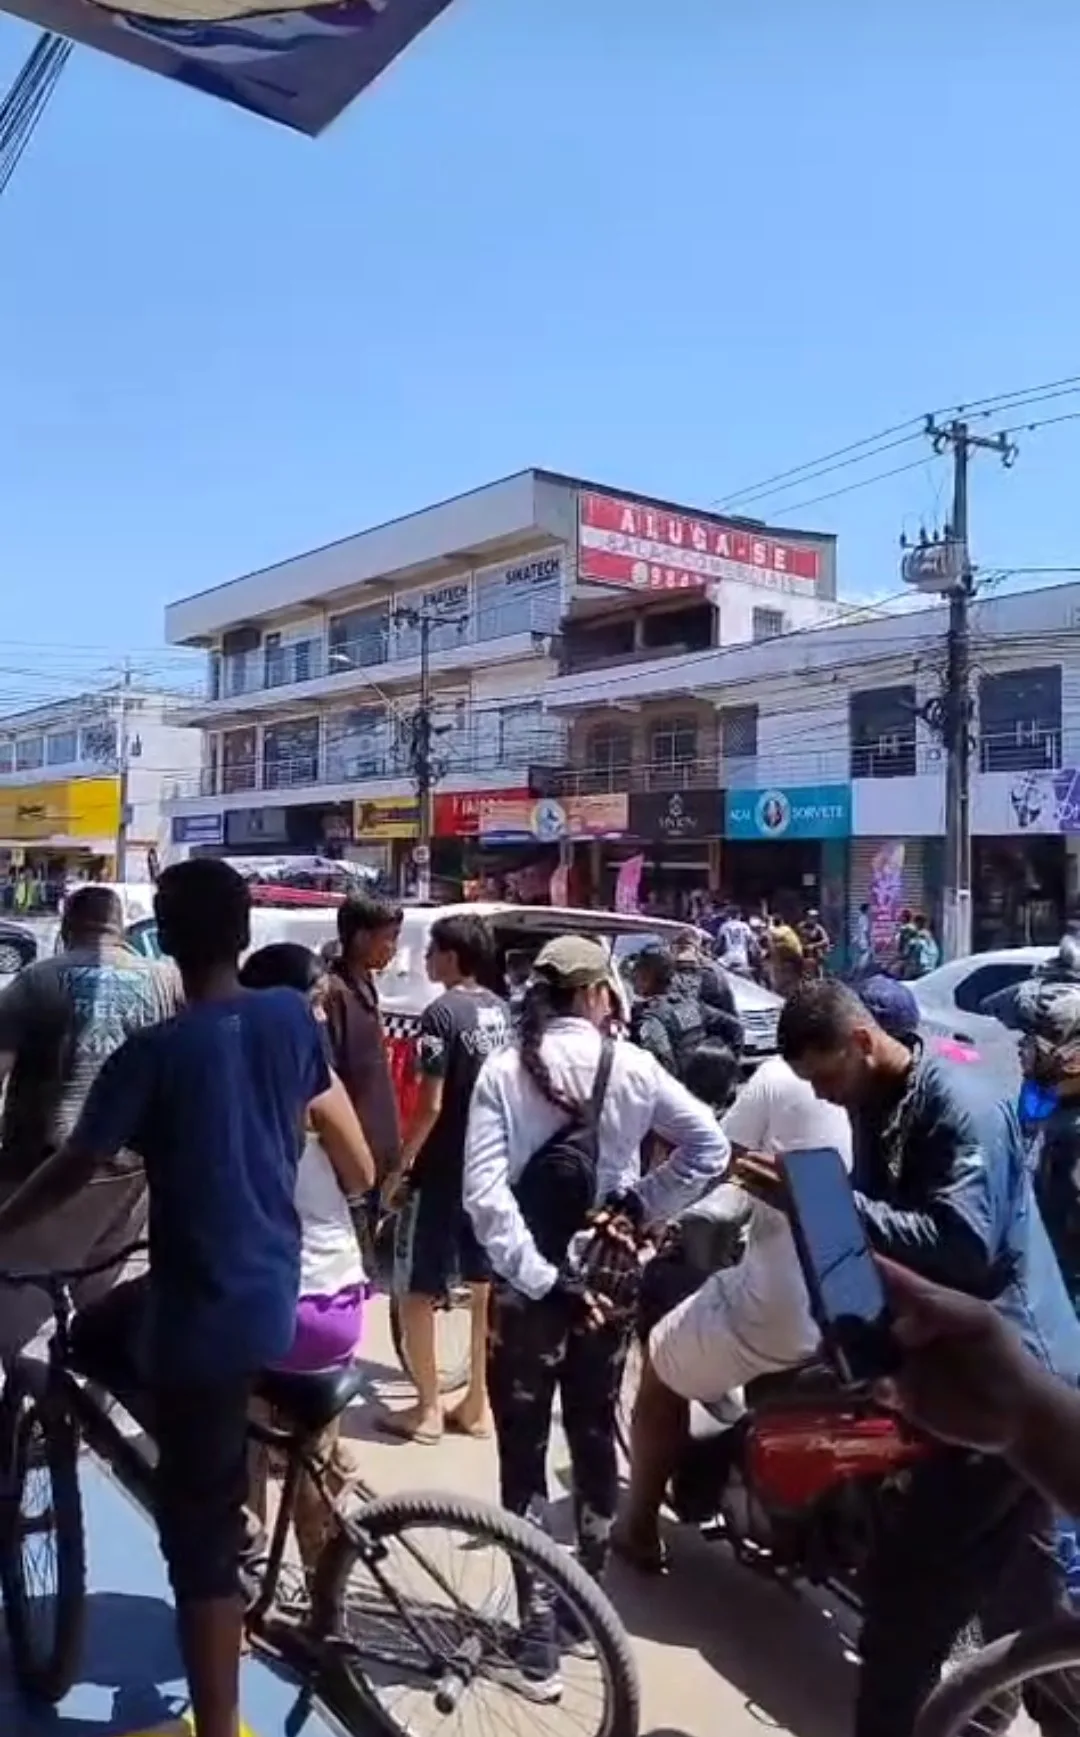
(555, 1190)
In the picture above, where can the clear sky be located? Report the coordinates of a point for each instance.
(676, 247)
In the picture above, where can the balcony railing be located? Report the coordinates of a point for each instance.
(296, 663)
(335, 765)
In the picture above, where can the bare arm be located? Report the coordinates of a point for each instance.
(342, 1138)
(51, 1186)
(429, 1097)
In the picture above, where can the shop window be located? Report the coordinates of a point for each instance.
(673, 744)
(1020, 720)
(586, 645)
(98, 743)
(739, 732)
(62, 748)
(288, 660)
(767, 624)
(238, 766)
(610, 752)
(882, 731)
(291, 753)
(519, 732)
(356, 744)
(679, 629)
(359, 638)
(29, 753)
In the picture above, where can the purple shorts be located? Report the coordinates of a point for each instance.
(328, 1331)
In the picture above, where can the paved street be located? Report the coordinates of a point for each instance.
(718, 1649)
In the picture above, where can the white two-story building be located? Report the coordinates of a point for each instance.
(809, 768)
(60, 781)
(314, 667)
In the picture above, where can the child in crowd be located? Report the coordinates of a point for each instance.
(331, 1178)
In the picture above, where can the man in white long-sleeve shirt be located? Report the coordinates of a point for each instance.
(543, 1337)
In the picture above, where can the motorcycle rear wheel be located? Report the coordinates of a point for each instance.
(984, 1693)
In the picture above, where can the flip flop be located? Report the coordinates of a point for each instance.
(392, 1423)
(472, 1431)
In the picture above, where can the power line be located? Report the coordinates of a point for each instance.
(25, 103)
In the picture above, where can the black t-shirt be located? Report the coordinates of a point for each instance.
(457, 1034)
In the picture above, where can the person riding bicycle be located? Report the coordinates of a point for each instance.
(942, 1187)
(214, 1101)
(60, 1020)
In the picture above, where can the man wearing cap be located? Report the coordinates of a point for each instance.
(560, 1079)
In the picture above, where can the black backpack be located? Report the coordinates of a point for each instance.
(556, 1191)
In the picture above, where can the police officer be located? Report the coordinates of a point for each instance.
(702, 980)
(667, 1019)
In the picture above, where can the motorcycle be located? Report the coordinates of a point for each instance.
(798, 1476)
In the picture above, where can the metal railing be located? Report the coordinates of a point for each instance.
(296, 663)
(456, 755)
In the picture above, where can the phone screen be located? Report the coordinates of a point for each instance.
(846, 1292)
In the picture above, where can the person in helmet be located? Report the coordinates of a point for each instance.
(1049, 1014)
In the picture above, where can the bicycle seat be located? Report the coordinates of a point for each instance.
(312, 1401)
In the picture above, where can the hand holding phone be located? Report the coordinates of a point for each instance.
(847, 1294)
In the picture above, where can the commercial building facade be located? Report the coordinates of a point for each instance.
(314, 670)
(60, 782)
(808, 770)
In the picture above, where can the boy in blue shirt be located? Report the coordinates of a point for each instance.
(213, 1101)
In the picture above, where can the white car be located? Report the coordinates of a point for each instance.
(404, 988)
(951, 1001)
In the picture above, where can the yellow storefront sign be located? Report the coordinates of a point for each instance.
(387, 817)
(76, 808)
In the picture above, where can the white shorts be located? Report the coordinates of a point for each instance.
(720, 1338)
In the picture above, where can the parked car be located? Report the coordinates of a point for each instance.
(18, 947)
(952, 1001)
(310, 928)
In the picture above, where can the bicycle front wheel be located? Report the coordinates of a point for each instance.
(448, 1611)
(1018, 1684)
(42, 1545)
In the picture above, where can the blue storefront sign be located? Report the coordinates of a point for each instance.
(808, 811)
(198, 829)
(290, 62)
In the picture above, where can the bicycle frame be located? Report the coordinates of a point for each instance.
(57, 1385)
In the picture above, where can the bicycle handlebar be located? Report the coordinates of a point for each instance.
(48, 1281)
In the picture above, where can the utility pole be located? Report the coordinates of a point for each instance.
(123, 761)
(946, 567)
(425, 768)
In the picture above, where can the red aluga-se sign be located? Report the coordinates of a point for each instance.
(623, 542)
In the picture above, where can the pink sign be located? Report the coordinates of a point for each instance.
(886, 892)
(628, 886)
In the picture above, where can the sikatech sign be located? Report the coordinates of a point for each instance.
(297, 64)
(646, 548)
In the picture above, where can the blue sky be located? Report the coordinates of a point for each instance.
(679, 248)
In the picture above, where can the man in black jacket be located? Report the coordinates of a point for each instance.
(942, 1188)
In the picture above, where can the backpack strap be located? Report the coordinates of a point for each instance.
(600, 1084)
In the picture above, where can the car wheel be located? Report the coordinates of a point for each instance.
(12, 958)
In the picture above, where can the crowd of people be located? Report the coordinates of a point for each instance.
(245, 1115)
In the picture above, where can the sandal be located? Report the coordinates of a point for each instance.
(456, 1425)
(397, 1425)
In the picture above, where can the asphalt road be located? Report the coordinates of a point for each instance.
(717, 1648)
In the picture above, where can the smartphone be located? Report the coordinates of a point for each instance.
(847, 1296)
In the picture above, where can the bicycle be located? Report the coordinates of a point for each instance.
(440, 1648)
(1037, 1670)
(453, 1322)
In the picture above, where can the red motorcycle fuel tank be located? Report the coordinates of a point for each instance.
(793, 1458)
